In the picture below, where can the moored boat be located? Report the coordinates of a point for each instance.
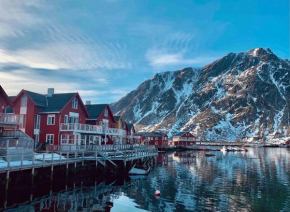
(138, 171)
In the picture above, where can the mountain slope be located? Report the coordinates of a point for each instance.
(240, 95)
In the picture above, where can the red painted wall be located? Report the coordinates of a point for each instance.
(161, 141)
(59, 118)
(111, 124)
(32, 110)
(3, 103)
(185, 143)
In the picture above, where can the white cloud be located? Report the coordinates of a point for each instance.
(161, 58)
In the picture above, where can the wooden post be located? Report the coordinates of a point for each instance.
(33, 158)
(7, 180)
(22, 160)
(6, 189)
(83, 156)
(8, 161)
(59, 156)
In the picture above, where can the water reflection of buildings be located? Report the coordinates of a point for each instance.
(94, 198)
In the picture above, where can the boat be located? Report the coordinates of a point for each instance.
(233, 149)
(224, 149)
(243, 149)
(138, 171)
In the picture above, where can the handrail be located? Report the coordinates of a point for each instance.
(90, 128)
(12, 118)
(16, 139)
(183, 139)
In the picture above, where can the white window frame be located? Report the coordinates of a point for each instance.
(65, 119)
(23, 102)
(37, 122)
(152, 138)
(156, 138)
(48, 118)
(106, 113)
(75, 103)
(50, 138)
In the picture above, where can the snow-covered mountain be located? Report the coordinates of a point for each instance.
(240, 95)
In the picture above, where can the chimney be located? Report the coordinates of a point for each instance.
(50, 92)
(88, 102)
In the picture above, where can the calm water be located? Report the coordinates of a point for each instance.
(255, 181)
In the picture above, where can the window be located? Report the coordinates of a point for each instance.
(73, 119)
(156, 138)
(23, 102)
(106, 112)
(50, 119)
(152, 138)
(66, 119)
(49, 138)
(75, 103)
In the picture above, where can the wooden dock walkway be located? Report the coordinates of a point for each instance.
(80, 154)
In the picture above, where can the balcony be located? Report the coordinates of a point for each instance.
(91, 129)
(176, 139)
(7, 119)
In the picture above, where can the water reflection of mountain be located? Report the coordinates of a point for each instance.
(255, 181)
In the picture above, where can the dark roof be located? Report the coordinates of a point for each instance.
(150, 134)
(95, 110)
(129, 126)
(12, 98)
(57, 102)
(116, 118)
(180, 134)
(39, 99)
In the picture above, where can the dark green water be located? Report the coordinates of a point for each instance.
(255, 181)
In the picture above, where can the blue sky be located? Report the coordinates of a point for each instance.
(104, 49)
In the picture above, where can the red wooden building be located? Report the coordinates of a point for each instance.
(5, 101)
(156, 139)
(12, 140)
(184, 139)
(130, 130)
(101, 115)
(45, 112)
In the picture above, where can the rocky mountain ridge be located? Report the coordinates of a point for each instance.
(242, 95)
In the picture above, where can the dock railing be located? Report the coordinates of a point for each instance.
(35, 160)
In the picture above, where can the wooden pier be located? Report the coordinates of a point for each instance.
(65, 155)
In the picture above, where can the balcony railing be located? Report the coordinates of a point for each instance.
(11, 119)
(93, 129)
(183, 139)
